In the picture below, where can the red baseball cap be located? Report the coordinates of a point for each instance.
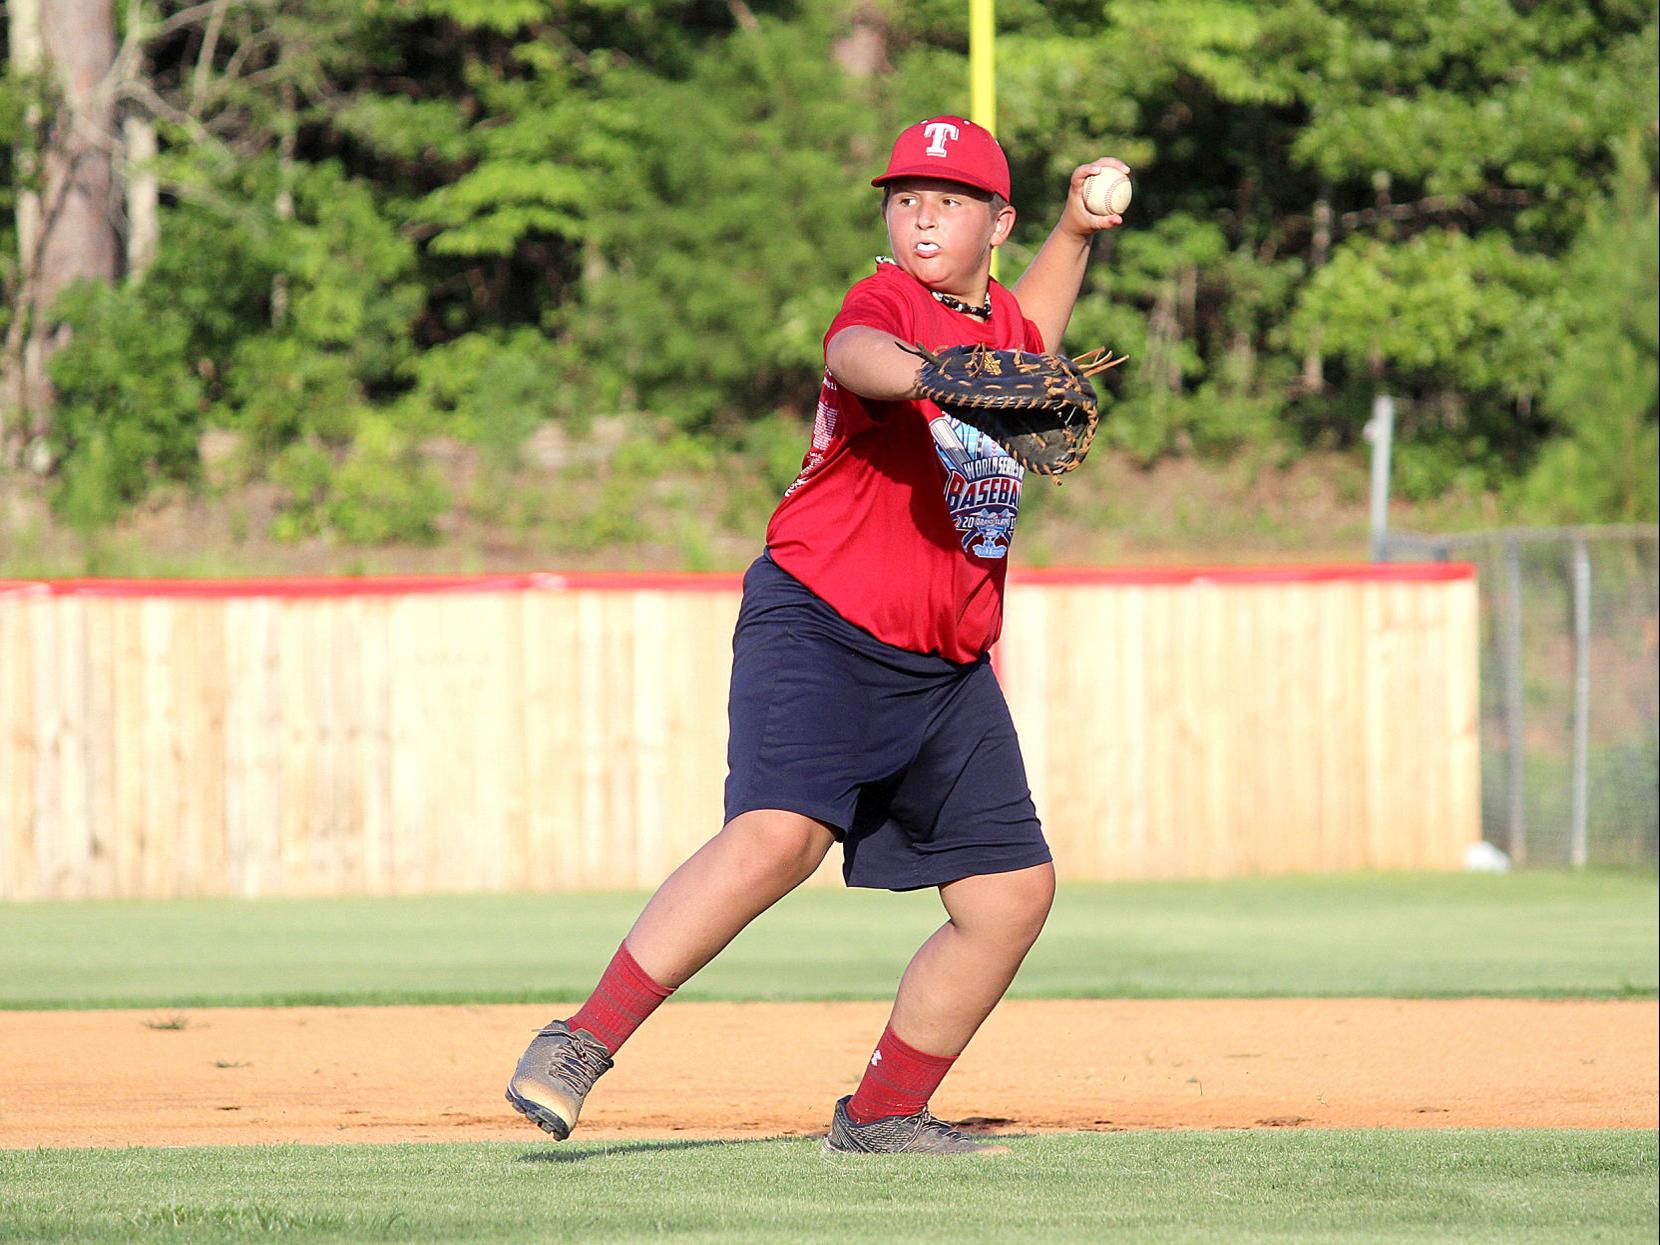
(952, 149)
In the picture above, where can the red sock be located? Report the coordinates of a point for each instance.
(620, 1003)
(898, 1081)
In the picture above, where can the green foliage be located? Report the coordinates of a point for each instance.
(279, 389)
(348, 268)
(145, 362)
(129, 407)
(494, 389)
(502, 16)
(377, 490)
(733, 212)
(1602, 390)
(528, 174)
(17, 92)
(404, 219)
(1465, 99)
(1461, 327)
(279, 327)
(1469, 309)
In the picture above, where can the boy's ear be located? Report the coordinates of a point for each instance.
(1002, 225)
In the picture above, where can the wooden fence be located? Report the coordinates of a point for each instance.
(546, 732)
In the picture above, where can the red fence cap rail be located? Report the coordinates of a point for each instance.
(1289, 573)
(376, 585)
(699, 581)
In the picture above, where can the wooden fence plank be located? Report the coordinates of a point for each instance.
(374, 691)
(552, 798)
(1350, 609)
(1293, 625)
(1460, 639)
(347, 661)
(98, 654)
(19, 864)
(253, 747)
(329, 838)
(201, 678)
(127, 694)
(77, 861)
(647, 722)
(48, 829)
(451, 831)
(409, 719)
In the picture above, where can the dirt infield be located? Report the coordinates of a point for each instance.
(309, 1074)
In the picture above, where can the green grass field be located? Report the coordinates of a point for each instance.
(1509, 1186)
(1539, 934)
(1239, 1187)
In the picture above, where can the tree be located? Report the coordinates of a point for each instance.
(65, 213)
(1604, 388)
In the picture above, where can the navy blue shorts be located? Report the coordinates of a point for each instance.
(911, 758)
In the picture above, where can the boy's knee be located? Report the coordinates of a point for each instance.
(1035, 895)
(776, 842)
(1010, 906)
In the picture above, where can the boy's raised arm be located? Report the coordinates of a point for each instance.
(1048, 289)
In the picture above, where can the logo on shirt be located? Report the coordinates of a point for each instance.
(982, 487)
(824, 433)
(938, 133)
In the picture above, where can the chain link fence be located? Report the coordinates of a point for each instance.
(1570, 707)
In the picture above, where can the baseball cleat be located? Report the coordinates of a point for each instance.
(901, 1134)
(554, 1075)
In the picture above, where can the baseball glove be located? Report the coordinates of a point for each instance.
(1039, 407)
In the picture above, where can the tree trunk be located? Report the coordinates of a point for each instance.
(23, 37)
(143, 194)
(68, 233)
(1164, 335)
(863, 51)
(1314, 373)
(286, 147)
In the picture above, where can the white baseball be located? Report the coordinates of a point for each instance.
(1107, 193)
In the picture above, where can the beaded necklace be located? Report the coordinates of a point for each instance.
(957, 304)
(982, 312)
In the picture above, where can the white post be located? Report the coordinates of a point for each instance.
(1510, 649)
(1380, 431)
(1577, 846)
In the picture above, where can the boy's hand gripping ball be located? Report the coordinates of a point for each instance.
(1107, 193)
(1040, 407)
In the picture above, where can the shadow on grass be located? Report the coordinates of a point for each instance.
(622, 1148)
(816, 1140)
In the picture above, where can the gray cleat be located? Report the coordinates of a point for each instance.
(554, 1075)
(901, 1134)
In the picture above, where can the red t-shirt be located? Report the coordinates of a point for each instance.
(901, 517)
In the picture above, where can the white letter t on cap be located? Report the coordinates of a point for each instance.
(938, 132)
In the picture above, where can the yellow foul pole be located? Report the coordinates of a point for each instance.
(982, 71)
(982, 63)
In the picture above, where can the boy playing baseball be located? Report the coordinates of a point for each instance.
(863, 707)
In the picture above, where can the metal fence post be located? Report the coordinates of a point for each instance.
(1581, 561)
(1510, 649)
